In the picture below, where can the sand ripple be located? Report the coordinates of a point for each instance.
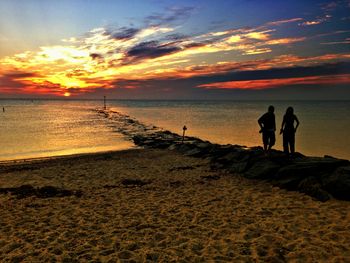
(181, 215)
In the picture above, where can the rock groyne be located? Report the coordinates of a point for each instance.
(319, 177)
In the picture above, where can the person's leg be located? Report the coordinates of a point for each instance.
(265, 140)
(285, 143)
(292, 143)
(272, 140)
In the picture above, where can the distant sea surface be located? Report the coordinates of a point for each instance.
(44, 128)
(41, 128)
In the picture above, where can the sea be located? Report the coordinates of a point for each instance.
(45, 128)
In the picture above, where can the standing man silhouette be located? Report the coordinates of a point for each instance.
(267, 125)
(289, 130)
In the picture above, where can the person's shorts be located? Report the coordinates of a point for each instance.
(269, 138)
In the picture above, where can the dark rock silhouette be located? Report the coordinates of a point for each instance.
(24, 191)
(338, 184)
(319, 177)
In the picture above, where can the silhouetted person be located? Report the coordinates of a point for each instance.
(289, 130)
(267, 128)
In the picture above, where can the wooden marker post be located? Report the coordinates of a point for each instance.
(104, 102)
(183, 134)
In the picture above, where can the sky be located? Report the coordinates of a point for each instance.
(161, 49)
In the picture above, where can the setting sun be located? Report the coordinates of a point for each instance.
(66, 94)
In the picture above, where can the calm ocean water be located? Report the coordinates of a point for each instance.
(41, 128)
(47, 128)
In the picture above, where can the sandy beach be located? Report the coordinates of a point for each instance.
(159, 206)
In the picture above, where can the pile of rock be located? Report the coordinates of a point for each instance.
(319, 177)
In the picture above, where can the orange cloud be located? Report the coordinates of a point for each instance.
(317, 21)
(273, 83)
(311, 23)
(283, 41)
(283, 61)
(280, 22)
(262, 35)
(257, 51)
(102, 56)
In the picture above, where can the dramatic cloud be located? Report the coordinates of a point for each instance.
(16, 83)
(176, 37)
(151, 49)
(134, 58)
(170, 15)
(19, 75)
(256, 51)
(312, 81)
(123, 33)
(278, 83)
(281, 41)
(96, 56)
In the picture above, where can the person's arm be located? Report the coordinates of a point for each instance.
(297, 121)
(261, 121)
(282, 126)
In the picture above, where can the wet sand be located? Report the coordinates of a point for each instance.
(159, 206)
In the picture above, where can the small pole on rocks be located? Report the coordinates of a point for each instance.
(104, 102)
(183, 134)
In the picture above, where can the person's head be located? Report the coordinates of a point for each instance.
(271, 109)
(289, 111)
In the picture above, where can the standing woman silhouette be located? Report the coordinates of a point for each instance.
(289, 130)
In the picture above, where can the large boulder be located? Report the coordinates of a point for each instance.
(265, 169)
(158, 143)
(291, 175)
(218, 151)
(202, 149)
(290, 182)
(237, 167)
(139, 139)
(338, 184)
(232, 157)
(314, 166)
(312, 187)
(283, 159)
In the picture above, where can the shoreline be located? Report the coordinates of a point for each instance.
(322, 178)
(39, 154)
(54, 157)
